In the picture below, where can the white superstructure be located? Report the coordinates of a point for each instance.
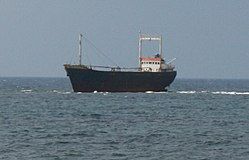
(156, 63)
(149, 64)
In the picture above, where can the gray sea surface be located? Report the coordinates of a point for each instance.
(41, 118)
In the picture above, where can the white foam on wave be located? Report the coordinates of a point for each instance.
(59, 92)
(26, 90)
(55, 91)
(149, 92)
(242, 93)
(216, 92)
(204, 91)
(231, 93)
(104, 93)
(186, 92)
(160, 92)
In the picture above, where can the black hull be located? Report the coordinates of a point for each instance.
(89, 80)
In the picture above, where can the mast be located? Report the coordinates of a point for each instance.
(80, 48)
(160, 46)
(139, 49)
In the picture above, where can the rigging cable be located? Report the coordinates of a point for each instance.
(98, 50)
(88, 59)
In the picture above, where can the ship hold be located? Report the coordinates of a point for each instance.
(152, 74)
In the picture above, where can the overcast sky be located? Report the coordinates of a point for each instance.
(209, 38)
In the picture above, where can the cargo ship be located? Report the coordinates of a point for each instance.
(152, 74)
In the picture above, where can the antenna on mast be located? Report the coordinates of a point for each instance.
(80, 48)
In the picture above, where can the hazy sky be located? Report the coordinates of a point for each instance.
(209, 38)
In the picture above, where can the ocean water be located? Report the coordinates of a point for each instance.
(41, 118)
